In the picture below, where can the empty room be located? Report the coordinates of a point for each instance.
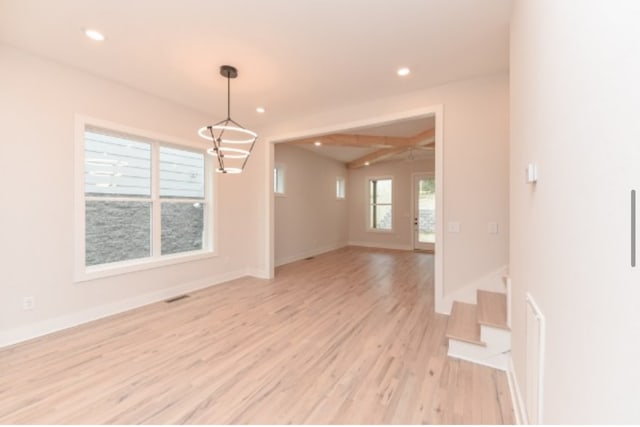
(319, 212)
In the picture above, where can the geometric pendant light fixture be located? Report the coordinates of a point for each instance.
(232, 143)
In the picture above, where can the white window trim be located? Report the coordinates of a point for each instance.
(83, 273)
(369, 229)
(283, 168)
(344, 183)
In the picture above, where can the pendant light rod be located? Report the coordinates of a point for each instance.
(230, 72)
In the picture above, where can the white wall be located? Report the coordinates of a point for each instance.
(39, 101)
(475, 169)
(401, 237)
(309, 220)
(575, 102)
(38, 104)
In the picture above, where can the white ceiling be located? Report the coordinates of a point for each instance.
(341, 154)
(294, 57)
(403, 129)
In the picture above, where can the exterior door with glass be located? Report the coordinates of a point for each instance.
(424, 211)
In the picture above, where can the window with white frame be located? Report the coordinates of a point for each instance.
(340, 188)
(380, 204)
(143, 199)
(278, 179)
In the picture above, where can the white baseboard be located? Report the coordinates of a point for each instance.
(478, 354)
(309, 253)
(496, 363)
(516, 397)
(44, 327)
(258, 273)
(396, 246)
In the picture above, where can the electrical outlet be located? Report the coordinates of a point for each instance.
(453, 227)
(28, 303)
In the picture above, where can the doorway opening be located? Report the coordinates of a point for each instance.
(312, 135)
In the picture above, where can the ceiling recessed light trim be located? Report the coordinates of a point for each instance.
(94, 35)
(260, 110)
(404, 71)
(317, 143)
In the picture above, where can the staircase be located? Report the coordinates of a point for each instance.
(480, 332)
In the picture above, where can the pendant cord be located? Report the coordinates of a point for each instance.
(228, 97)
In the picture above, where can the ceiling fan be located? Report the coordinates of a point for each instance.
(412, 150)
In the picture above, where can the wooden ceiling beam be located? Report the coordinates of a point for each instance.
(423, 139)
(388, 145)
(376, 156)
(427, 137)
(368, 141)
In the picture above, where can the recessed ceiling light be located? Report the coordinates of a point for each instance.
(404, 71)
(260, 110)
(317, 143)
(94, 35)
(367, 163)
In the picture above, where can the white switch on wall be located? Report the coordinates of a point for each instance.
(532, 173)
(453, 227)
(492, 228)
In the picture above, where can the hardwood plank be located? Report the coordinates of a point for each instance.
(492, 309)
(348, 337)
(463, 324)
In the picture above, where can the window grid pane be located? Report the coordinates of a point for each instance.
(116, 165)
(340, 188)
(278, 179)
(183, 227)
(380, 204)
(116, 231)
(383, 191)
(383, 217)
(120, 208)
(181, 173)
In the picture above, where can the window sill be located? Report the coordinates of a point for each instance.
(377, 230)
(280, 194)
(123, 267)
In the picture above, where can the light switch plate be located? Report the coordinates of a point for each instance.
(532, 173)
(492, 228)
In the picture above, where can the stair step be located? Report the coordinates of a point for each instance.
(492, 309)
(463, 323)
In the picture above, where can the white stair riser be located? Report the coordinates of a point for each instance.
(478, 354)
(497, 339)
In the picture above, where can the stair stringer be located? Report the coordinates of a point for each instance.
(494, 354)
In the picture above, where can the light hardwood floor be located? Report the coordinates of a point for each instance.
(347, 337)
